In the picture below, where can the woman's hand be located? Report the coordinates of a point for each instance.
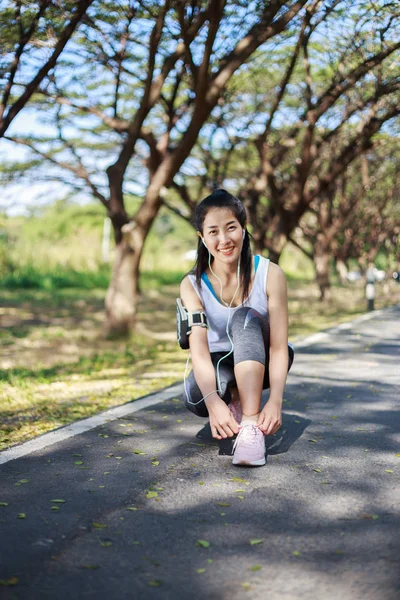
(270, 418)
(222, 422)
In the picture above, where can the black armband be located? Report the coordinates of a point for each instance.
(185, 321)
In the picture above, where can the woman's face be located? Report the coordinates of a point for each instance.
(223, 234)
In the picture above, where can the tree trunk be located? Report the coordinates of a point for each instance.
(276, 245)
(321, 261)
(122, 294)
(121, 297)
(342, 270)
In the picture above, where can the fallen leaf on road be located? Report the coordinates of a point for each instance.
(256, 541)
(255, 568)
(10, 581)
(200, 570)
(203, 543)
(239, 480)
(151, 494)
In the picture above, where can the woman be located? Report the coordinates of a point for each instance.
(245, 348)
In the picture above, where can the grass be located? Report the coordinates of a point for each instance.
(56, 368)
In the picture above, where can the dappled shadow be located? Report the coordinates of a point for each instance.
(312, 536)
(292, 429)
(150, 510)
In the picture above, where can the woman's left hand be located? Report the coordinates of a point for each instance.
(270, 418)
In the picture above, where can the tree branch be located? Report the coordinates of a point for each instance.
(81, 8)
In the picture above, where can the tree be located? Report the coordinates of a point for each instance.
(33, 34)
(336, 85)
(149, 76)
(357, 217)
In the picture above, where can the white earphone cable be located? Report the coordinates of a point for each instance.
(229, 306)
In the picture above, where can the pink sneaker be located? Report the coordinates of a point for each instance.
(249, 446)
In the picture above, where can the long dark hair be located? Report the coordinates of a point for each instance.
(222, 199)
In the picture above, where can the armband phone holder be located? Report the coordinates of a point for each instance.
(185, 321)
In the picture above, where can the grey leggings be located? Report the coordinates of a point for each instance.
(250, 335)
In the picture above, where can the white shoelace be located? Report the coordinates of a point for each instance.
(248, 432)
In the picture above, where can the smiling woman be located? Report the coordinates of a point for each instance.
(245, 348)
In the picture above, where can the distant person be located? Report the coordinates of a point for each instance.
(239, 337)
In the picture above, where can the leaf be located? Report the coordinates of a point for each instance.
(240, 497)
(297, 421)
(256, 541)
(388, 470)
(151, 494)
(239, 480)
(296, 553)
(10, 581)
(246, 585)
(314, 441)
(398, 455)
(105, 544)
(203, 543)
(55, 508)
(255, 568)
(131, 508)
(201, 483)
(179, 420)
(155, 582)
(78, 462)
(3, 503)
(22, 481)
(99, 525)
(58, 501)
(139, 452)
(155, 463)
(21, 515)
(200, 570)
(317, 470)
(223, 503)
(210, 561)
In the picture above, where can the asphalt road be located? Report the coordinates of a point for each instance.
(145, 506)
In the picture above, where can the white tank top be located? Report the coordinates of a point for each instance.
(217, 313)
